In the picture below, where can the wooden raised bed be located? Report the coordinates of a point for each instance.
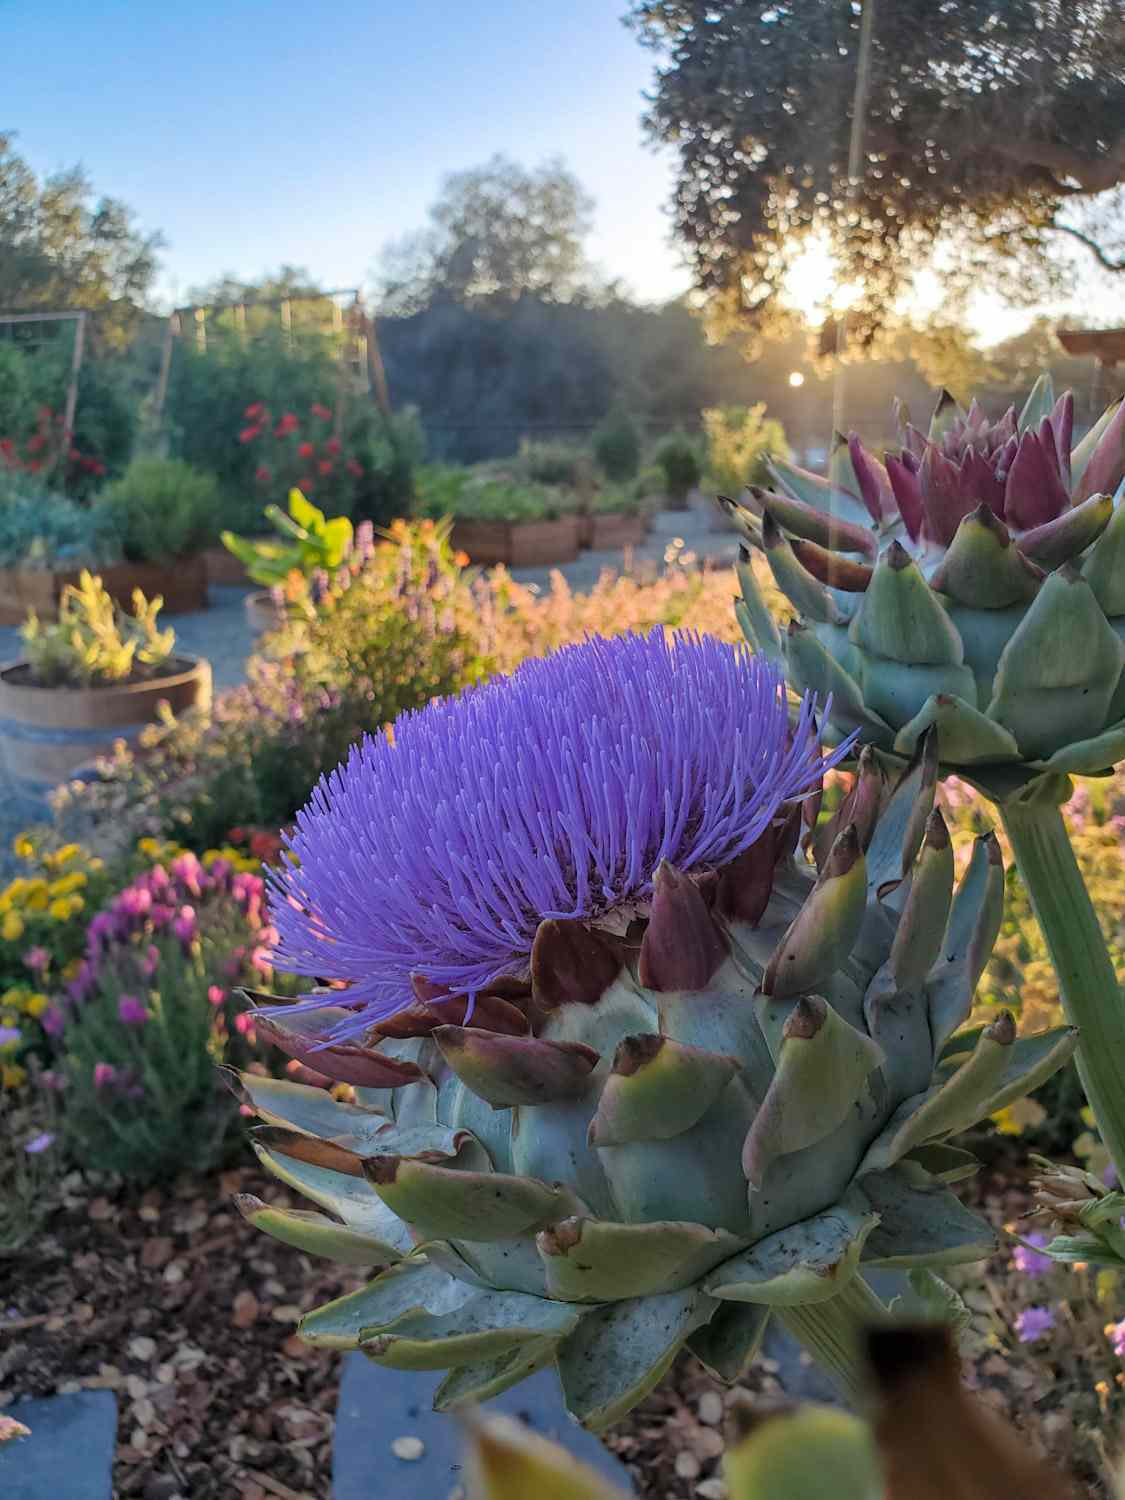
(617, 529)
(182, 585)
(518, 544)
(47, 733)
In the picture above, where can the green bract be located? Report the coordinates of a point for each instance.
(725, 1107)
(975, 583)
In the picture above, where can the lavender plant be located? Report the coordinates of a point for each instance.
(633, 1067)
(975, 584)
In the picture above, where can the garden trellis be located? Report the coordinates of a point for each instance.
(353, 326)
(78, 317)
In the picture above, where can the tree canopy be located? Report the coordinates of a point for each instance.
(994, 129)
(60, 248)
(500, 230)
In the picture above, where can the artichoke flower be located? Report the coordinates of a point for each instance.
(975, 582)
(641, 1050)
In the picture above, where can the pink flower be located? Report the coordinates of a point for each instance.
(216, 995)
(289, 423)
(252, 413)
(1116, 1334)
(105, 1075)
(151, 961)
(185, 926)
(53, 1021)
(262, 960)
(248, 434)
(244, 1024)
(36, 959)
(322, 412)
(305, 450)
(52, 1080)
(262, 475)
(131, 1011)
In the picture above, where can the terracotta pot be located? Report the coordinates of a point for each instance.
(617, 529)
(47, 733)
(261, 611)
(182, 584)
(518, 544)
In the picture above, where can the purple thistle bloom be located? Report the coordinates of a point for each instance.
(553, 793)
(131, 1011)
(1029, 1261)
(105, 1075)
(1033, 1323)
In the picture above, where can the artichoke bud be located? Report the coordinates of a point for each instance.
(1098, 463)
(861, 807)
(815, 525)
(901, 620)
(1104, 568)
(742, 518)
(982, 569)
(1039, 402)
(827, 926)
(657, 1089)
(829, 568)
(682, 947)
(947, 413)
(1063, 538)
(918, 939)
(809, 595)
(301, 1036)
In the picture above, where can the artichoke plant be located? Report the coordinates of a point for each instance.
(974, 583)
(641, 1050)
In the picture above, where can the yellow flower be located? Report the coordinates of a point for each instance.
(95, 864)
(67, 853)
(66, 885)
(59, 910)
(36, 1004)
(14, 996)
(12, 1076)
(9, 1018)
(37, 896)
(14, 892)
(11, 928)
(210, 856)
(23, 846)
(149, 847)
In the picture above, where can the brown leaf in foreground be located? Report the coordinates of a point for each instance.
(937, 1441)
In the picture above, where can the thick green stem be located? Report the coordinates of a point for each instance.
(1091, 996)
(833, 1333)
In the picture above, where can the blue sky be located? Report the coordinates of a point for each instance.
(253, 133)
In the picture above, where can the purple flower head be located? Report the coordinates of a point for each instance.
(190, 873)
(36, 959)
(101, 928)
(9, 1036)
(53, 1021)
(1029, 1261)
(52, 1080)
(185, 926)
(1033, 1323)
(82, 985)
(105, 1075)
(553, 793)
(39, 1143)
(131, 1011)
(151, 961)
(1116, 1335)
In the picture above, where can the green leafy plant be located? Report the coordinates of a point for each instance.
(678, 458)
(617, 499)
(617, 446)
(740, 442)
(649, 483)
(488, 498)
(555, 463)
(161, 509)
(310, 541)
(39, 529)
(94, 641)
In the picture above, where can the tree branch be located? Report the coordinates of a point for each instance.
(1092, 245)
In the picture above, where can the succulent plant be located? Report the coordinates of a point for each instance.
(94, 641)
(632, 1067)
(949, 587)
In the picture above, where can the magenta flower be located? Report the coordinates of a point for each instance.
(553, 793)
(36, 959)
(53, 1021)
(53, 1080)
(215, 995)
(105, 1075)
(185, 926)
(1033, 1323)
(131, 1011)
(1116, 1334)
(1029, 1261)
(151, 961)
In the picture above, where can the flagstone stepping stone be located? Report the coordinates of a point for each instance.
(389, 1441)
(69, 1455)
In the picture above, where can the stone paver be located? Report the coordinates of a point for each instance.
(378, 1406)
(69, 1455)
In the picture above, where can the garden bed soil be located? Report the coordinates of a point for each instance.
(170, 1299)
(518, 544)
(182, 585)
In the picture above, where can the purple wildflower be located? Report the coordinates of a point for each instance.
(36, 959)
(1033, 1323)
(9, 1036)
(553, 793)
(53, 1021)
(151, 961)
(105, 1075)
(1116, 1335)
(131, 1011)
(53, 1080)
(39, 1143)
(1028, 1260)
(185, 925)
(1109, 1176)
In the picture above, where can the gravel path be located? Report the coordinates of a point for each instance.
(223, 635)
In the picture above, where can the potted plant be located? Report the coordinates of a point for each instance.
(93, 676)
(308, 543)
(45, 539)
(501, 518)
(162, 512)
(678, 458)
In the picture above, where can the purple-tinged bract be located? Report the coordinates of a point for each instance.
(553, 793)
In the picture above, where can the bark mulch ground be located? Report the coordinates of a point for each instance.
(188, 1314)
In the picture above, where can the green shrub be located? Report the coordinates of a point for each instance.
(484, 498)
(740, 442)
(555, 463)
(617, 499)
(617, 446)
(39, 529)
(161, 509)
(649, 483)
(438, 489)
(309, 542)
(678, 458)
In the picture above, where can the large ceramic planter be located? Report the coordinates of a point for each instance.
(616, 529)
(47, 733)
(261, 611)
(181, 583)
(518, 544)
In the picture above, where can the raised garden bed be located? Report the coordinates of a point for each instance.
(518, 544)
(47, 733)
(616, 529)
(222, 567)
(182, 585)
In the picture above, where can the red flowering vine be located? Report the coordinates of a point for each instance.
(300, 456)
